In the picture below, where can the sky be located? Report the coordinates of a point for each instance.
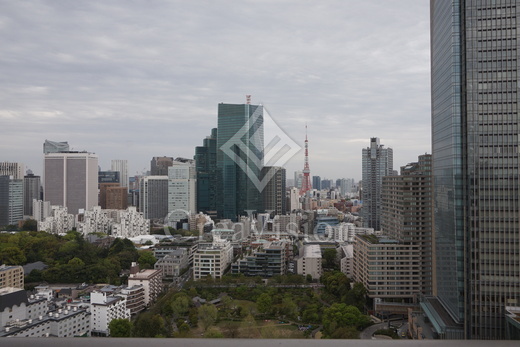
(137, 79)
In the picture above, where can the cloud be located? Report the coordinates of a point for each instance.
(140, 79)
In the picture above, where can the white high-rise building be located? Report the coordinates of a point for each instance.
(59, 222)
(182, 195)
(41, 210)
(122, 167)
(17, 170)
(71, 180)
(295, 199)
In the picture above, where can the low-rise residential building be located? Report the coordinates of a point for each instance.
(309, 262)
(135, 298)
(269, 260)
(172, 264)
(11, 276)
(151, 280)
(105, 308)
(212, 259)
(16, 306)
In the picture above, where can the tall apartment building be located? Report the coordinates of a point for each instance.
(11, 200)
(55, 147)
(31, 191)
(206, 166)
(240, 144)
(121, 166)
(294, 199)
(475, 122)
(182, 190)
(377, 162)
(159, 166)
(407, 213)
(153, 196)
(273, 195)
(11, 276)
(71, 180)
(16, 170)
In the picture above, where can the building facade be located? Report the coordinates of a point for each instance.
(153, 197)
(240, 144)
(55, 147)
(121, 166)
(182, 190)
(11, 276)
(71, 180)
(475, 122)
(377, 162)
(17, 170)
(407, 214)
(11, 200)
(159, 166)
(273, 195)
(31, 190)
(206, 166)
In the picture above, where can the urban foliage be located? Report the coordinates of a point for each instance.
(70, 258)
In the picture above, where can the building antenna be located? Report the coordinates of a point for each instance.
(306, 184)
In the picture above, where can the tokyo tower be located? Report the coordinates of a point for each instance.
(306, 183)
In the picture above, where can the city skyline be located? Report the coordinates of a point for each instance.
(137, 82)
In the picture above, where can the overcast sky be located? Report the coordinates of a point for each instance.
(137, 79)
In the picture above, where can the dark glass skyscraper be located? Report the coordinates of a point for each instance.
(475, 140)
(206, 166)
(240, 145)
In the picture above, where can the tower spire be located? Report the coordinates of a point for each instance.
(306, 184)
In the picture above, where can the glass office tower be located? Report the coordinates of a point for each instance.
(240, 146)
(206, 164)
(475, 140)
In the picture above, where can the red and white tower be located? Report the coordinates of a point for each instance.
(306, 183)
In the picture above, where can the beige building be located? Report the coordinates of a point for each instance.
(309, 261)
(213, 259)
(151, 280)
(387, 268)
(11, 276)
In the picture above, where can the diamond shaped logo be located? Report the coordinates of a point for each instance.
(278, 150)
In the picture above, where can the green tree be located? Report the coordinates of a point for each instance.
(30, 225)
(207, 316)
(345, 333)
(342, 315)
(213, 333)
(264, 303)
(12, 256)
(149, 325)
(331, 258)
(336, 283)
(146, 260)
(120, 327)
(180, 305)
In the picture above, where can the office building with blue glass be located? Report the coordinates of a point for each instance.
(240, 144)
(476, 160)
